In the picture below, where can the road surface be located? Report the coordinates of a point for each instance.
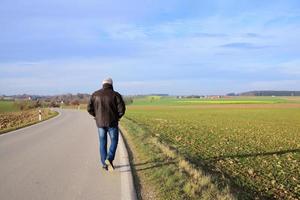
(59, 159)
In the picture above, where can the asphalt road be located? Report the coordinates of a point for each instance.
(58, 159)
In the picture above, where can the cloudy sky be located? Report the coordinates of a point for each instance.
(149, 46)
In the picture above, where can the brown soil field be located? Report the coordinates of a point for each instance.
(13, 120)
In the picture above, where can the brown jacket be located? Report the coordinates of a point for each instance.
(107, 106)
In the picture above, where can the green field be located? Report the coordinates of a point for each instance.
(8, 106)
(257, 147)
(172, 101)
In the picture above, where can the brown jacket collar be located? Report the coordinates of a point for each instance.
(107, 86)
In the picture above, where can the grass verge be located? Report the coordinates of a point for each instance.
(161, 173)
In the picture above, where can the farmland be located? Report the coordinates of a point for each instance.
(253, 142)
(171, 101)
(12, 118)
(8, 106)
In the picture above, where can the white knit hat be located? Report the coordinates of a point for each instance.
(108, 81)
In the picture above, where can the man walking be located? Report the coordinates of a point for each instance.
(107, 106)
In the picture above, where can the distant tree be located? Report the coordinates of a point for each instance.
(271, 93)
(193, 96)
(75, 102)
(27, 104)
(128, 100)
(66, 102)
(80, 96)
(231, 94)
(54, 104)
(37, 104)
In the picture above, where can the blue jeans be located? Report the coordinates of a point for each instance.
(114, 137)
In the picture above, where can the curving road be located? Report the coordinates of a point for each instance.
(59, 159)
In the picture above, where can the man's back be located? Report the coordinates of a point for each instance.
(107, 106)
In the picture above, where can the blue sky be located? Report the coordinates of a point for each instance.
(150, 46)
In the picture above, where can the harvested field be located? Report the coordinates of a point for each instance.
(14, 120)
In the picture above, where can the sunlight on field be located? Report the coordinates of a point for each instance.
(259, 148)
(171, 101)
(225, 102)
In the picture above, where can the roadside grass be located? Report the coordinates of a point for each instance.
(10, 121)
(8, 106)
(256, 149)
(161, 173)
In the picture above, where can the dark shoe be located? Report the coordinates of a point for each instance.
(104, 167)
(110, 165)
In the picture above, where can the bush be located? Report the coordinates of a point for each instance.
(27, 104)
(128, 100)
(54, 104)
(75, 102)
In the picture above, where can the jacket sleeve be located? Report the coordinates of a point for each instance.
(90, 107)
(120, 105)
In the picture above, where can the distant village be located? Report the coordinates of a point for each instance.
(82, 98)
(55, 100)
